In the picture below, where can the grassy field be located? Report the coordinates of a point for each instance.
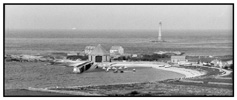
(39, 75)
(170, 87)
(153, 89)
(20, 76)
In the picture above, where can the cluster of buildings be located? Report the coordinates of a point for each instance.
(114, 50)
(94, 53)
(99, 54)
(201, 61)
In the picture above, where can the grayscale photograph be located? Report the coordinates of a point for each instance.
(118, 50)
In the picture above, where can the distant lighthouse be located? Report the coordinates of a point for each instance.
(159, 34)
(159, 38)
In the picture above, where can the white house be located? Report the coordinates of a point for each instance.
(116, 50)
(216, 62)
(230, 62)
(178, 59)
(89, 49)
(134, 55)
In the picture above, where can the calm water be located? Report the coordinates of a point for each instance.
(190, 42)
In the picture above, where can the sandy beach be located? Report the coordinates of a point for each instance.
(187, 72)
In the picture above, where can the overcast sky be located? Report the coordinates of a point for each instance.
(78, 17)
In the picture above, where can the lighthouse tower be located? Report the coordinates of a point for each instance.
(159, 39)
(159, 34)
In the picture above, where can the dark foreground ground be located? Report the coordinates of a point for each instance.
(163, 88)
(25, 92)
(171, 87)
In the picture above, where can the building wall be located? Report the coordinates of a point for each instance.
(113, 51)
(120, 51)
(108, 58)
(93, 58)
(177, 60)
(174, 61)
(88, 51)
(104, 58)
(90, 57)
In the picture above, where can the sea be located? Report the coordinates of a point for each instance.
(191, 42)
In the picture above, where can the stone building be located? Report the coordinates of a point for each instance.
(116, 50)
(178, 59)
(99, 54)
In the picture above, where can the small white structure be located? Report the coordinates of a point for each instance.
(134, 55)
(230, 62)
(178, 59)
(219, 63)
(89, 49)
(116, 50)
(216, 62)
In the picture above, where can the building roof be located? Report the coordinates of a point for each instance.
(115, 53)
(193, 60)
(215, 61)
(89, 47)
(169, 52)
(99, 50)
(226, 59)
(58, 54)
(206, 59)
(115, 47)
(230, 62)
(177, 57)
